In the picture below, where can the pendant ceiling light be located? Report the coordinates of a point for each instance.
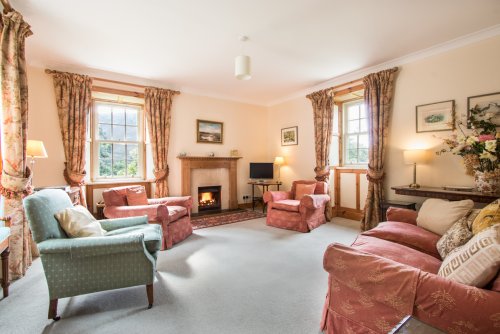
(242, 64)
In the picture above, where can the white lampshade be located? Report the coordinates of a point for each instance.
(415, 156)
(242, 67)
(35, 149)
(279, 161)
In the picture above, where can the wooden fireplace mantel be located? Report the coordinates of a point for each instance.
(189, 163)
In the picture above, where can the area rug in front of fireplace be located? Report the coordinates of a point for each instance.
(224, 218)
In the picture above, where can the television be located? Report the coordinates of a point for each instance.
(261, 170)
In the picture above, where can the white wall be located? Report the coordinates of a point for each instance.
(244, 129)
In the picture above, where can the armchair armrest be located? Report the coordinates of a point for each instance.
(314, 201)
(157, 212)
(275, 196)
(185, 201)
(402, 215)
(93, 246)
(117, 223)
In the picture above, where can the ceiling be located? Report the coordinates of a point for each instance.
(190, 45)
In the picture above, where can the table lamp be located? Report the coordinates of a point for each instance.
(279, 161)
(35, 149)
(415, 157)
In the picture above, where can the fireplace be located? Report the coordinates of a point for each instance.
(209, 198)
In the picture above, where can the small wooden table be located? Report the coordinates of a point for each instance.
(265, 187)
(452, 195)
(4, 251)
(411, 325)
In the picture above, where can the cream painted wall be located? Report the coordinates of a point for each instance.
(244, 129)
(456, 74)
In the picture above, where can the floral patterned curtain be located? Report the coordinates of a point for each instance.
(322, 102)
(73, 98)
(16, 175)
(379, 90)
(157, 104)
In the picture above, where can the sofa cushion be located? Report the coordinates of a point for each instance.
(398, 253)
(287, 205)
(152, 235)
(408, 235)
(78, 222)
(457, 235)
(488, 216)
(437, 215)
(304, 189)
(175, 212)
(137, 196)
(477, 262)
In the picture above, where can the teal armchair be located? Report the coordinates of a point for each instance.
(124, 257)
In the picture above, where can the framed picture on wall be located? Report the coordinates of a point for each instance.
(438, 116)
(290, 136)
(488, 103)
(209, 132)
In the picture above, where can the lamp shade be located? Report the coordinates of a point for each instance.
(415, 156)
(242, 67)
(279, 161)
(35, 149)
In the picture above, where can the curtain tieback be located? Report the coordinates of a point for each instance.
(14, 186)
(375, 175)
(161, 174)
(322, 173)
(73, 178)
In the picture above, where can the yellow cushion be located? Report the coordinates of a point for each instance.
(78, 222)
(489, 216)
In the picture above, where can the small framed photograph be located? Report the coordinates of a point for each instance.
(438, 116)
(490, 103)
(209, 132)
(290, 136)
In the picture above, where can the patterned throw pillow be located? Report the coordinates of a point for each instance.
(475, 263)
(137, 196)
(457, 235)
(489, 216)
(78, 222)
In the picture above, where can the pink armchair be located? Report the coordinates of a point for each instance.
(303, 215)
(173, 214)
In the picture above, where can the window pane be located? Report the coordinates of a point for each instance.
(132, 133)
(353, 126)
(352, 142)
(118, 132)
(362, 113)
(363, 125)
(352, 157)
(132, 116)
(118, 152)
(118, 115)
(353, 112)
(118, 167)
(105, 151)
(363, 156)
(104, 114)
(104, 131)
(363, 141)
(105, 167)
(132, 159)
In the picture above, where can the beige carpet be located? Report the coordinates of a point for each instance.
(238, 278)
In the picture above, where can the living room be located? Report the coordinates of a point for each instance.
(242, 270)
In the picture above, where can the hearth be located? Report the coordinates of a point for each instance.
(209, 198)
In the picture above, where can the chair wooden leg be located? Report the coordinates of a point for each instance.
(53, 310)
(149, 290)
(5, 272)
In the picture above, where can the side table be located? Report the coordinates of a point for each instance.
(265, 187)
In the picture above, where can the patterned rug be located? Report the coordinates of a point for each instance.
(224, 218)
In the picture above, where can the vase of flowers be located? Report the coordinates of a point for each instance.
(479, 148)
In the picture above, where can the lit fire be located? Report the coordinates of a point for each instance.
(206, 199)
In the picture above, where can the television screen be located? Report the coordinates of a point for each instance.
(261, 170)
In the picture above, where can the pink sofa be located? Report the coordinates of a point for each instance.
(172, 213)
(284, 211)
(390, 272)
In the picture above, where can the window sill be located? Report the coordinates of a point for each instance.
(360, 167)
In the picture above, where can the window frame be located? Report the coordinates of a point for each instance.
(343, 123)
(94, 142)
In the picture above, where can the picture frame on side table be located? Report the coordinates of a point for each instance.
(209, 132)
(489, 102)
(437, 116)
(290, 136)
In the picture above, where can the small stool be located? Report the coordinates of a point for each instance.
(395, 204)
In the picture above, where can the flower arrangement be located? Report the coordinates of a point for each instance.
(480, 148)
